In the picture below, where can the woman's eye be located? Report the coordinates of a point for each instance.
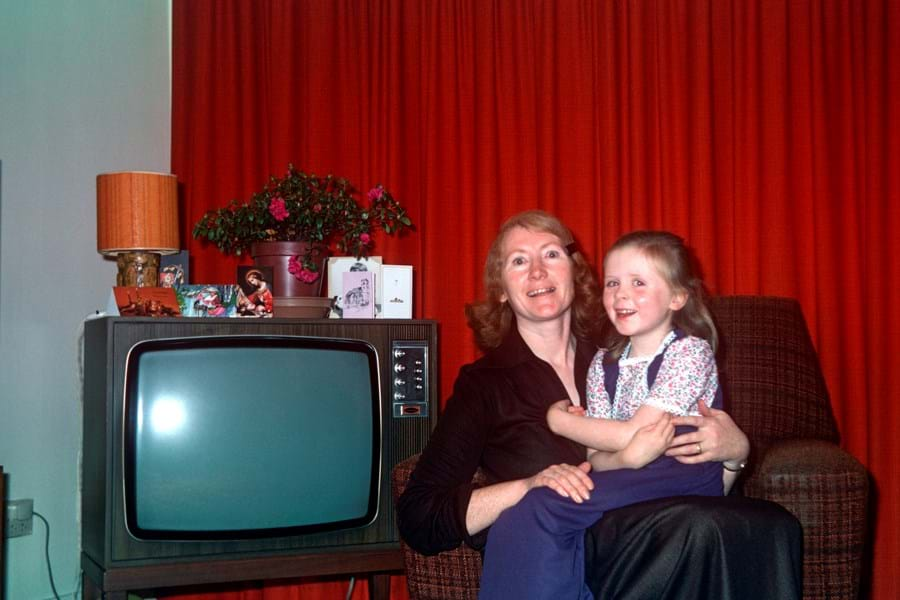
(553, 254)
(518, 261)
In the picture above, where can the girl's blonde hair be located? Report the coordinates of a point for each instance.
(490, 319)
(675, 264)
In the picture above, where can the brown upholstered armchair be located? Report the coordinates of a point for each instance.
(775, 391)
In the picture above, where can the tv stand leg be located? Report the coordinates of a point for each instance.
(379, 586)
(89, 591)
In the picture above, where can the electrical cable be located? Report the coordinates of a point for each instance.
(350, 588)
(47, 552)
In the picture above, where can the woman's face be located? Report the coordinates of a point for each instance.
(536, 276)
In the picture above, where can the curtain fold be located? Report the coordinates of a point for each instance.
(765, 132)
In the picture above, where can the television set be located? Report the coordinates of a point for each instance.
(218, 448)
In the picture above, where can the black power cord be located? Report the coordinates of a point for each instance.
(47, 552)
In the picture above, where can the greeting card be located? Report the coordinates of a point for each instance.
(359, 295)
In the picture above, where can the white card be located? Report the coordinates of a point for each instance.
(397, 291)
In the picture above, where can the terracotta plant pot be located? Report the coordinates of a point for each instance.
(277, 255)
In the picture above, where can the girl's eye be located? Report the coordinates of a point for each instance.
(637, 283)
(612, 284)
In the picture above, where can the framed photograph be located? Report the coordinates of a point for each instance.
(337, 266)
(397, 291)
(256, 298)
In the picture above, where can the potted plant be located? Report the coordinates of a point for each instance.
(306, 216)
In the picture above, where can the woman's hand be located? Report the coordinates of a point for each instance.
(717, 438)
(648, 443)
(568, 481)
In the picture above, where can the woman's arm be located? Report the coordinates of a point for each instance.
(719, 439)
(486, 503)
(440, 507)
(608, 435)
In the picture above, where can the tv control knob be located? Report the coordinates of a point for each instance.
(399, 367)
(398, 353)
(399, 382)
(399, 396)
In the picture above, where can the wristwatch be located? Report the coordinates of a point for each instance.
(740, 466)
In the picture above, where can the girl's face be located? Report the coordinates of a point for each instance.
(638, 300)
(536, 276)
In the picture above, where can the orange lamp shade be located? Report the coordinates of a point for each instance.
(137, 211)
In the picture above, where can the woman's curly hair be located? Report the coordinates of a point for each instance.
(491, 318)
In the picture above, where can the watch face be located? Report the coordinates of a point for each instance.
(738, 468)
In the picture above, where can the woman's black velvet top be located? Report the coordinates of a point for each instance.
(496, 420)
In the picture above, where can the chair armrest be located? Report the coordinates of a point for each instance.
(454, 574)
(827, 489)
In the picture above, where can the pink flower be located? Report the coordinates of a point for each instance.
(306, 276)
(376, 192)
(277, 209)
(365, 238)
(317, 207)
(295, 268)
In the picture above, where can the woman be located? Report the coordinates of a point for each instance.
(542, 307)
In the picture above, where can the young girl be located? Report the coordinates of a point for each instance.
(659, 362)
(660, 357)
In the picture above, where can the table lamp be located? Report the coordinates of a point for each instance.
(137, 220)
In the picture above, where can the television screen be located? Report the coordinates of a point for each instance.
(243, 436)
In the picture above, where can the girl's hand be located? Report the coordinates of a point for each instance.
(557, 414)
(566, 480)
(576, 410)
(717, 438)
(649, 443)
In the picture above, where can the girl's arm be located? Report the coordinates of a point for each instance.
(648, 443)
(600, 434)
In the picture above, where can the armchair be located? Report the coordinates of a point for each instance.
(774, 390)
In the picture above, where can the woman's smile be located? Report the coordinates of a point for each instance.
(537, 276)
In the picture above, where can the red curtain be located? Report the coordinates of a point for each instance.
(767, 132)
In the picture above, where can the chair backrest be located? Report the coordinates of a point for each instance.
(774, 388)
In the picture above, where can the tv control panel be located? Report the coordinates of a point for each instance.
(409, 378)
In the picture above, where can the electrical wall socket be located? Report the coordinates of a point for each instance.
(19, 517)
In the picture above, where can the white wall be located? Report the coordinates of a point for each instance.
(84, 89)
